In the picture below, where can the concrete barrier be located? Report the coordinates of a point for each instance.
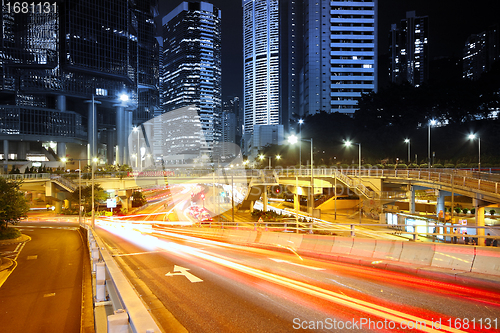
(309, 242)
(417, 253)
(363, 247)
(388, 249)
(270, 238)
(323, 244)
(295, 241)
(451, 256)
(342, 245)
(487, 261)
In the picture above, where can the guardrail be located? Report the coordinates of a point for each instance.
(113, 293)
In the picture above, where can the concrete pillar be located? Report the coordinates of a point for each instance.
(296, 201)
(92, 127)
(440, 203)
(120, 133)
(412, 200)
(479, 206)
(5, 150)
(128, 132)
(58, 206)
(61, 149)
(61, 103)
(110, 151)
(264, 198)
(22, 150)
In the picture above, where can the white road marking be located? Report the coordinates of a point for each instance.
(184, 271)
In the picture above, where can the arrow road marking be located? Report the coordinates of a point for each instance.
(305, 266)
(184, 271)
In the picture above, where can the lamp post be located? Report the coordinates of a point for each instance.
(473, 137)
(431, 123)
(407, 141)
(301, 121)
(293, 139)
(348, 144)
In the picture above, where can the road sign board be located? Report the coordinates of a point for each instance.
(111, 203)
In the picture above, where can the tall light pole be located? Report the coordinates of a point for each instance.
(473, 137)
(431, 123)
(94, 160)
(407, 141)
(136, 129)
(292, 140)
(348, 144)
(301, 121)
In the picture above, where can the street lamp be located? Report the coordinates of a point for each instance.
(348, 144)
(431, 123)
(136, 129)
(301, 121)
(292, 139)
(407, 141)
(473, 137)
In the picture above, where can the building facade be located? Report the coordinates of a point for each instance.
(340, 54)
(62, 72)
(409, 50)
(191, 68)
(480, 52)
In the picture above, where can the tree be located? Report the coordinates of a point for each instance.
(138, 199)
(13, 204)
(99, 196)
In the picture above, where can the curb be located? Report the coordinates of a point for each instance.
(21, 239)
(5, 263)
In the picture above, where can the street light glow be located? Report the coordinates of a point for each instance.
(261, 157)
(278, 157)
(472, 136)
(301, 121)
(407, 140)
(433, 122)
(124, 97)
(293, 139)
(135, 129)
(347, 143)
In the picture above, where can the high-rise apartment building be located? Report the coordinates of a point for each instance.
(261, 53)
(340, 54)
(62, 71)
(480, 52)
(191, 69)
(409, 54)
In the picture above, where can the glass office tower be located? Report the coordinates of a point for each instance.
(191, 69)
(53, 63)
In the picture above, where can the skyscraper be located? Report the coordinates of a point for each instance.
(409, 55)
(191, 67)
(53, 62)
(340, 54)
(480, 52)
(261, 53)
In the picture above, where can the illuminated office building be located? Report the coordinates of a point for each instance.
(191, 69)
(54, 64)
(340, 54)
(409, 59)
(480, 52)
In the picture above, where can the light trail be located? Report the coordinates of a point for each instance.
(334, 297)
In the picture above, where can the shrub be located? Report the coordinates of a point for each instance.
(458, 210)
(389, 166)
(344, 166)
(465, 210)
(449, 165)
(462, 165)
(424, 165)
(402, 166)
(413, 165)
(473, 211)
(367, 166)
(437, 165)
(379, 166)
(10, 233)
(492, 212)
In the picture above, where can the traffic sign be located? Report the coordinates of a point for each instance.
(111, 203)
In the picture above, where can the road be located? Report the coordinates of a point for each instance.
(43, 292)
(209, 286)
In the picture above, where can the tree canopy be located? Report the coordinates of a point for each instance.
(13, 204)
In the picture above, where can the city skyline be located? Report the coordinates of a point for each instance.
(450, 22)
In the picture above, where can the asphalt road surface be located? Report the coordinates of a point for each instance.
(209, 286)
(43, 292)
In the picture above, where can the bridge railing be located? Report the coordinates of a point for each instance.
(28, 176)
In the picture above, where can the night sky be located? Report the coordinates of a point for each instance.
(450, 21)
